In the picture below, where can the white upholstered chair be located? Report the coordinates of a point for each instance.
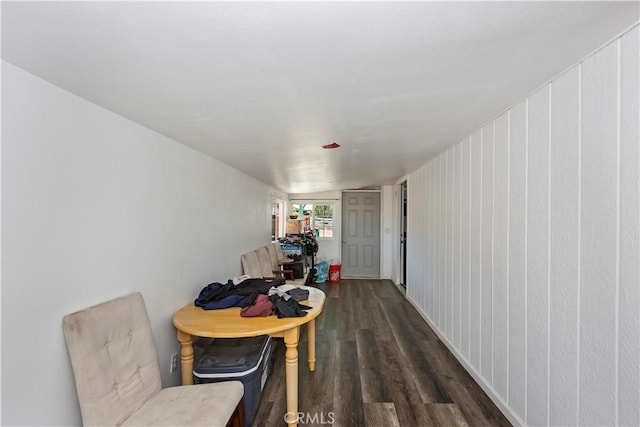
(251, 264)
(117, 376)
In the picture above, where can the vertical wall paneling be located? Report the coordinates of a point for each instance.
(564, 249)
(443, 239)
(419, 205)
(428, 209)
(413, 248)
(425, 260)
(537, 257)
(434, 238)
(437, 249)
(475, 217)
(599, 235)
(501, 257)
(436, 232)
(439, 231)
(425, 263)
(413, 245)
(456, 246)
(518, 259)
(464, 244)
(487, 254)
(410, 245)
(526, 256)
(427, 213)
(415, 205)
(432, 219)
(450, 216)
(414, 197)
(629, 295)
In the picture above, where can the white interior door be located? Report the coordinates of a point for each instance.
(361, 234)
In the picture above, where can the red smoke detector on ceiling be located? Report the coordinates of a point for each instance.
(330, 146)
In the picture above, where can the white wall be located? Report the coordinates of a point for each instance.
(94, 207)
(525, 247)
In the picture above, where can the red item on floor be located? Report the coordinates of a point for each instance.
(334, 272)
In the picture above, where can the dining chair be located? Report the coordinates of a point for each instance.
(117, 376)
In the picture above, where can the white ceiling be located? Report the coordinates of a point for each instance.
(261, 86)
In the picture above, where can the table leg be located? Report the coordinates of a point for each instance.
(186, 357)
(311, 344)
(291, 374)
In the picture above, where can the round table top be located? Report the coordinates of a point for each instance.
(227, 322)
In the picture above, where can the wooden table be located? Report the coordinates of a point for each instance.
(193, 321)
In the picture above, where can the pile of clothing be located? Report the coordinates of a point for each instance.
(257, 297)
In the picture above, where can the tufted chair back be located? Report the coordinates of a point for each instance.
(114, 359)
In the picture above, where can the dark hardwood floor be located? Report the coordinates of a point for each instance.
(378, 364)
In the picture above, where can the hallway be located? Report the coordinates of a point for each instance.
(378, 364)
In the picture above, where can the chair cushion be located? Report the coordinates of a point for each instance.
(192, 405)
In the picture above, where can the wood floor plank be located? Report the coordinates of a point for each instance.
(406, 322)
(347, 402)
(377, 364)
(317, 389)
(429, 381)
(400, 384)
(380, 415)
(374, 385)
(264, 410)
(475, 405)
(379, 324)
(275, 382)
(446, 415)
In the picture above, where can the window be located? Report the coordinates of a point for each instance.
(316, 216)
(323, 220)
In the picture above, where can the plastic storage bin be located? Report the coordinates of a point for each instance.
(243, 359)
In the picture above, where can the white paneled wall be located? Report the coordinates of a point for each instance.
(486, 361)
(628, 356)
(525, 247)
(518, 257)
